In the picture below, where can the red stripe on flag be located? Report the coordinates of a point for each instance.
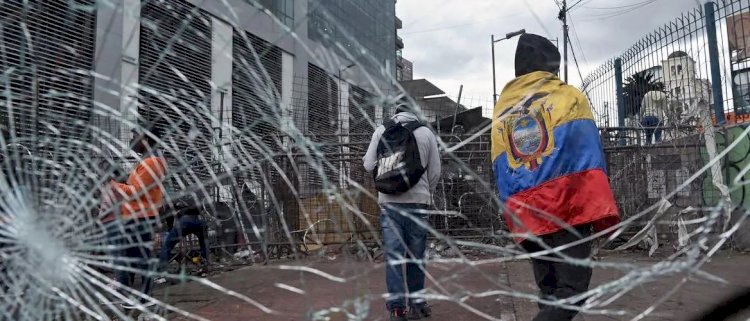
(570, 200)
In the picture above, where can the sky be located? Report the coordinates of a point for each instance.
(449, 40)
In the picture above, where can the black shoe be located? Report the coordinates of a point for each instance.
(419, 313)
(398, 315)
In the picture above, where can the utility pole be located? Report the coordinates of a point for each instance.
(564, 17)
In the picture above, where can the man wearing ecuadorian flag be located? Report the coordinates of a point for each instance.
(551, 172)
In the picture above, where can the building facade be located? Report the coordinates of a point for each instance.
(197, 51)
(404, 70)
(206, 71)
(327, 39)
(683, 85)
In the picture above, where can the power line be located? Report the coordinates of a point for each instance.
(578, 39)
(609, 15)
(584, 2)
(585, 92)
(575, 59)
(538, 20)
(575, 4)
(618, 7)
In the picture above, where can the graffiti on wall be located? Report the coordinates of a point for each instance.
(737, 159)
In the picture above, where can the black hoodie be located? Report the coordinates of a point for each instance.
(536, 53)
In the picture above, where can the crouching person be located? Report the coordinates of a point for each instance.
(131, 230)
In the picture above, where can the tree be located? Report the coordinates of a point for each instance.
(636, 86)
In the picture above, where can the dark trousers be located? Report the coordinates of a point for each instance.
(558, 279)
(653, 133)
(132, 243)
(186, 225)
(404, 238)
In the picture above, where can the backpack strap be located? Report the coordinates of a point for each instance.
(413, 125)
(390, 123)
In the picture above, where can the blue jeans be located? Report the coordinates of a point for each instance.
(650, 122)
(404, 238)
(133, 243)
(187, 224)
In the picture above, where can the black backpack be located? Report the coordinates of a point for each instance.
(398, 166)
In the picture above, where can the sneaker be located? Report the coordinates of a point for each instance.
(398, 315)
(419, 313)
(132, 306)
(426, 311)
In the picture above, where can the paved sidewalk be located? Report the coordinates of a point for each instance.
(691, 299)
(364, 284)
(363, 289)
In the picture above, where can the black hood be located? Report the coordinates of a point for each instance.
(536, 53)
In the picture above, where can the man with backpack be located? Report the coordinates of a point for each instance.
(404, 159)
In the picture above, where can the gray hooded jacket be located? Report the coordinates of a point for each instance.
(428, 153)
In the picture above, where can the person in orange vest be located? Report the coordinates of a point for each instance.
(139, 199)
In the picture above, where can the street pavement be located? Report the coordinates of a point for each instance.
(466, 292)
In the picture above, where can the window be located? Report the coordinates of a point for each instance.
(282, 9)
(673, 70)
(679, 69)
(677, 91)
(69, 109)
(163, 75)
(370, 23)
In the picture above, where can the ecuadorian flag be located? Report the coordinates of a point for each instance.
(548, 158)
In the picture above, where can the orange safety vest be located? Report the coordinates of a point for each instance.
(143, 193)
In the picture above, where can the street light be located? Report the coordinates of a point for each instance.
(507, 36)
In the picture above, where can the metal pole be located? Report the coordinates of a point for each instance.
(620, 93)
(620, 100)
(494, 82)
(455, 112)
(565, 37)
(220, 147)
(713, 56)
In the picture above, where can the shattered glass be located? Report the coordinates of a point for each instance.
(263, 134)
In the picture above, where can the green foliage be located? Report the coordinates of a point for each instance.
(635, 87)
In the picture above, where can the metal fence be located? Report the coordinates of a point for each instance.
(662, 102)
(698, 61)
(266, 185)
(300, 192)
